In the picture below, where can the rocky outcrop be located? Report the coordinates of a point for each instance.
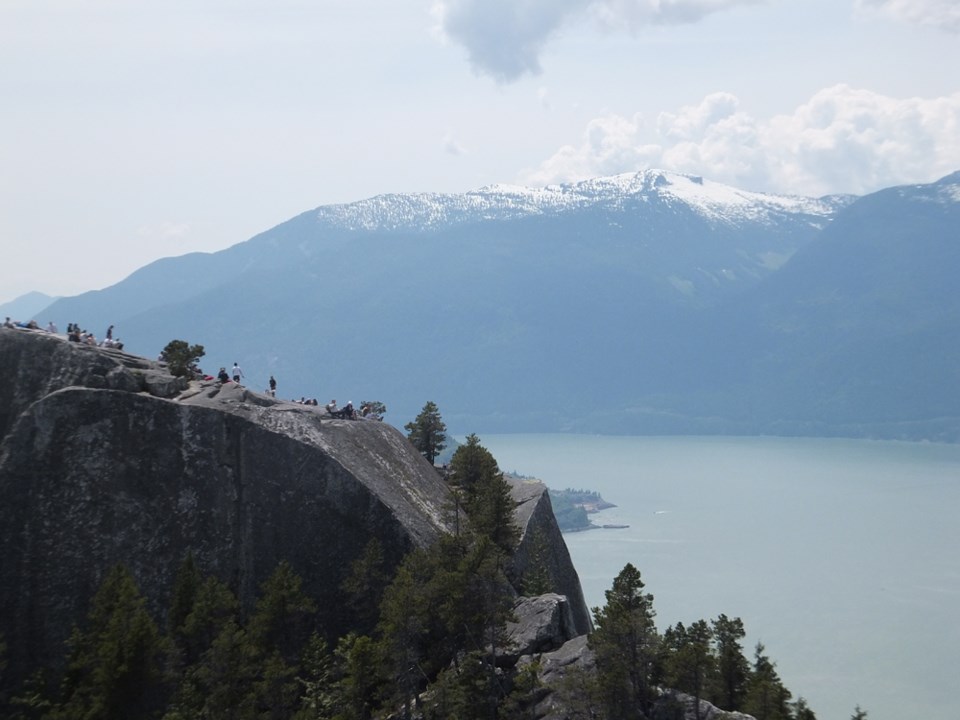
(563, 674)
(673, 705)
(106, 458)
(539, 531)
(541, 624)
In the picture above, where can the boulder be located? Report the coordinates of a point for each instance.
(542, 624)
(675, 705)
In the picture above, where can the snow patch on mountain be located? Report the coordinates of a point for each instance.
(715, 202)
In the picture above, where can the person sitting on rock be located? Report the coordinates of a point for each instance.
(223, 377)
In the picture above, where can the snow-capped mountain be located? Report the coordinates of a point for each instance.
(712, 201)
(646, 302)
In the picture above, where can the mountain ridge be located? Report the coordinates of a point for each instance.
(640, 313)
(419, 211)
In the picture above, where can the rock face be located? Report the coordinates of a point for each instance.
(540, 530)
(106, 458)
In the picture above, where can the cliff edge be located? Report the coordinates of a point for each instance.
(106, 458)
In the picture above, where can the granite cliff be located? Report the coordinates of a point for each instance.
(107, 458)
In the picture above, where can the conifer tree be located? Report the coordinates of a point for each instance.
(520, 703)
(733, 669)
(181, 356)
(186, 585)
(579, 693)
(317, 697)
(767, 698)
(403, 628)
(214, 607)
(690, 661)
(221, 685)
(283, 618)
(486, 494)
(365, 585)
(801, 711)
(428, 432)
(359, 686)
(625, 642)
(114, 669)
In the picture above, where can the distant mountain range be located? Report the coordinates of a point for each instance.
(641, 303)
(26, 307)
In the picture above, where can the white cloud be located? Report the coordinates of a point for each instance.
(544, 98)
(633, 14)
(841, 140)
(504, 38)
(452, 146)
(943, 14)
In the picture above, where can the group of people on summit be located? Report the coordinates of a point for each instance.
(74, 333)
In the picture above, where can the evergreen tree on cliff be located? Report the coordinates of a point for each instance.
(625, 643)
(733, 669)
(767, 698)
(114, 669)
(181, 357)
(428, 432)
(486, 494)
(689, 660)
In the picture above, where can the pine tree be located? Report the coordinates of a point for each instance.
(690, 661)
(579, 693)
(214, 606)
(222, 684)
(729, 686)
(767, 698)
(317, 697)
(283, 618)
(858, 714)
(520, 703)
(403, 628)
(428, 432)
(181, 357)
(114, 669)
(365, 585)
(359, 685)
(486, 494)
(186, 584)
(801, 711)
(625, 642)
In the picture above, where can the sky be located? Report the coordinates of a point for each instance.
(131, 131)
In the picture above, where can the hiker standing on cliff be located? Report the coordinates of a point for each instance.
(273, 387)
(237, 373)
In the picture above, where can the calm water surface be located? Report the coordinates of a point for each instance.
(841, 556)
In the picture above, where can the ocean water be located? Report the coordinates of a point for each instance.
(841, 556)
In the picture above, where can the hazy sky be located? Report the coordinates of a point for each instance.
(131, 131)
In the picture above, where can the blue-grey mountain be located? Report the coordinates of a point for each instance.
(648, 302)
